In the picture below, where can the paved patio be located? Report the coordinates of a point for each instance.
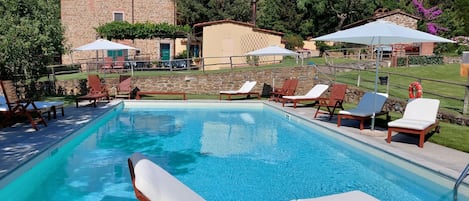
(20, 144)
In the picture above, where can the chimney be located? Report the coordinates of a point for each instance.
(254, 11)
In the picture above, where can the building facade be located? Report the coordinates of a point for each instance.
(226, 41)
(81, 17)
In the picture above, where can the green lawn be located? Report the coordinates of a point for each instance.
(399, 83)
(451, 135)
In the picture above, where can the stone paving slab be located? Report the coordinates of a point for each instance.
(21, 143)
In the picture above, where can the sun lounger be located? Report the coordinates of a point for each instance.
(334, 101)
(419, 118)
(246, 89)
(347, 196)
(364, 110)
(14, 106)
(312, 95)
(151, 182)
(49, 107)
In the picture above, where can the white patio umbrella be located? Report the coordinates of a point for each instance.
(272, 51)
(381, 33)
(103, 44)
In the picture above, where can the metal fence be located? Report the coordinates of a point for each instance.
(397, 84)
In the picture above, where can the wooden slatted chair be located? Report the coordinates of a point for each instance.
(334, 101)
(17, 107)
(124, 88)
(288, 89)
(96, 90)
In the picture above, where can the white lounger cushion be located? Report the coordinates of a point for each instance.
(348, 196)
(246, 88)
(46, 105)
(315, 92)
(419, 114)
(157, 184)
(365, 106)
(41, 105)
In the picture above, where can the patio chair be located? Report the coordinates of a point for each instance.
(246, 89)
(108, 64)
(288, 89)
(312, 95)
(15, 107)
(364, 110)
(119, 64)
(419, 118)
(335, 100)
(124, 88)
(355, 195)
(151, 182)
(96, 91)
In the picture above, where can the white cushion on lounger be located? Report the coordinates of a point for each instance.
(419, 114)
(246, 88)
(348, 196)
(157, 184)
(314, 92)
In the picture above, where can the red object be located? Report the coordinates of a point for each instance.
(415, 90)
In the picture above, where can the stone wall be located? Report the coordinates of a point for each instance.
(80, 18)
(212, 83)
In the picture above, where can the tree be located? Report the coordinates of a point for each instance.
(461, 8)
(280, 15)
(190, 12)
(31, 38)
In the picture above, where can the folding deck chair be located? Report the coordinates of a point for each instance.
(288, 89)
(21, 108)
(335, 100)
(96, 91)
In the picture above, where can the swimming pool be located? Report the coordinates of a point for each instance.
(223, 152)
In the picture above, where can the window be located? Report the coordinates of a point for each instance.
(118, 16)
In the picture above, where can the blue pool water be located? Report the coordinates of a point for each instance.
(222, 153)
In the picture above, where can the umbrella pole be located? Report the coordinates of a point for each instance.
(373, 117)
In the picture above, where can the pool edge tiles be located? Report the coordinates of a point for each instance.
(192, 104)
(53, 149)
(430, 171)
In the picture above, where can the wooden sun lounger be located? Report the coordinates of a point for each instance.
(91, 97)
(138, 96)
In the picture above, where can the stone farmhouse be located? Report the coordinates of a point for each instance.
(81, 17)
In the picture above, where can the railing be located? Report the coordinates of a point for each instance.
(202, 63)
(463, 175)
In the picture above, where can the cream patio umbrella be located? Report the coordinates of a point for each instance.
(103, 44)
(379, 33)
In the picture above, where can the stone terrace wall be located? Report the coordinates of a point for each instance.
(212, 83)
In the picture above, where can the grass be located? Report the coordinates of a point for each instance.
(451, 135)
(399, 83)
